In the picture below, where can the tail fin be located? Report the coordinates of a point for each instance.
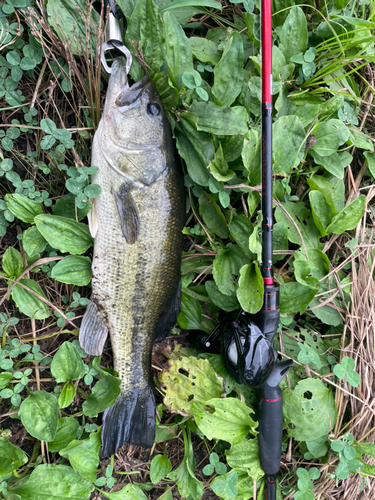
(130, 420)
(93, 332)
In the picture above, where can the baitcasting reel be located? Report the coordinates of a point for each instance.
(247, 342)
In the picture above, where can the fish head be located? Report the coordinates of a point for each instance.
(136, 139)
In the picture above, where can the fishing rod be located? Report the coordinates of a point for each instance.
(247, 342)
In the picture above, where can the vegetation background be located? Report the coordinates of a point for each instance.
(204, 58)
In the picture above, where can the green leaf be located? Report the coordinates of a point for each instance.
(92, 190)
(65, 207)
(218, 120)
(227, 264)
(318, 448)
(13, 58)
(349, 216)
(293, 35)
(22, 207)
(130, 492)
(48, 126)
(12, 263)
(65, 16)
(288, 144)
(342, 471)
(67, 395)
(303, 220)
(334, 163)
(187, 483)
(39, 414)
(66, 431)
(321, 211)
(295, 297)
(204, 50)
(348, 363)
(188, 380)
(67, 364)
(83, 455)
(27, 302)
(240, 229)
(66, 235)
(190, 317)
(311, 408)
(370, 161)
(103, 395)
(73, 270)
(167, 93)
(228, 419)
(196, 148)
(225, 302)
(145, 26)
(213, 216)
(219, 167)
(47, 142)
(5, 378)
(329, 136)
(208, 470)
(33, 241)
(250, 288)
(178, 52)
(251, 155)
(159, 468)
(57, 482)
(228, 73)
(359, 139)
(246, 456)
(177, 4)
(224, 486)
(11, 457)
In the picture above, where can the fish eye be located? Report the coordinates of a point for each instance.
(153, 109)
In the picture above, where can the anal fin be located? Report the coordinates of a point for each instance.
(93, 331)
(128, 213)
(170, 311)
(130, 420)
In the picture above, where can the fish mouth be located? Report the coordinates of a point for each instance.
(132, 94)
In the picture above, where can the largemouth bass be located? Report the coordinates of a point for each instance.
(137, 223)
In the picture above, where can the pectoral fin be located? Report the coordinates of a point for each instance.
(128, 213)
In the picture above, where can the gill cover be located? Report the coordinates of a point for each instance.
(248, 354)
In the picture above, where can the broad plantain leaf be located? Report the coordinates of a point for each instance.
(228, 72)
(311, 408)
(250, 288)
(228, 419)
(349, 216)
(66, 235)
(73, 270)
(39, 414)
(59, 482)
(11, 457)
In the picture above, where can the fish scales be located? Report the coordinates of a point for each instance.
(137, 223)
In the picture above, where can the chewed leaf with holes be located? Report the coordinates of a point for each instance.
(311, 408)
(294, 340)
(189, 380)
(228, 419)
(302, 218)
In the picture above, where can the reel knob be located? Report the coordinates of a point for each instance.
(247, 353)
